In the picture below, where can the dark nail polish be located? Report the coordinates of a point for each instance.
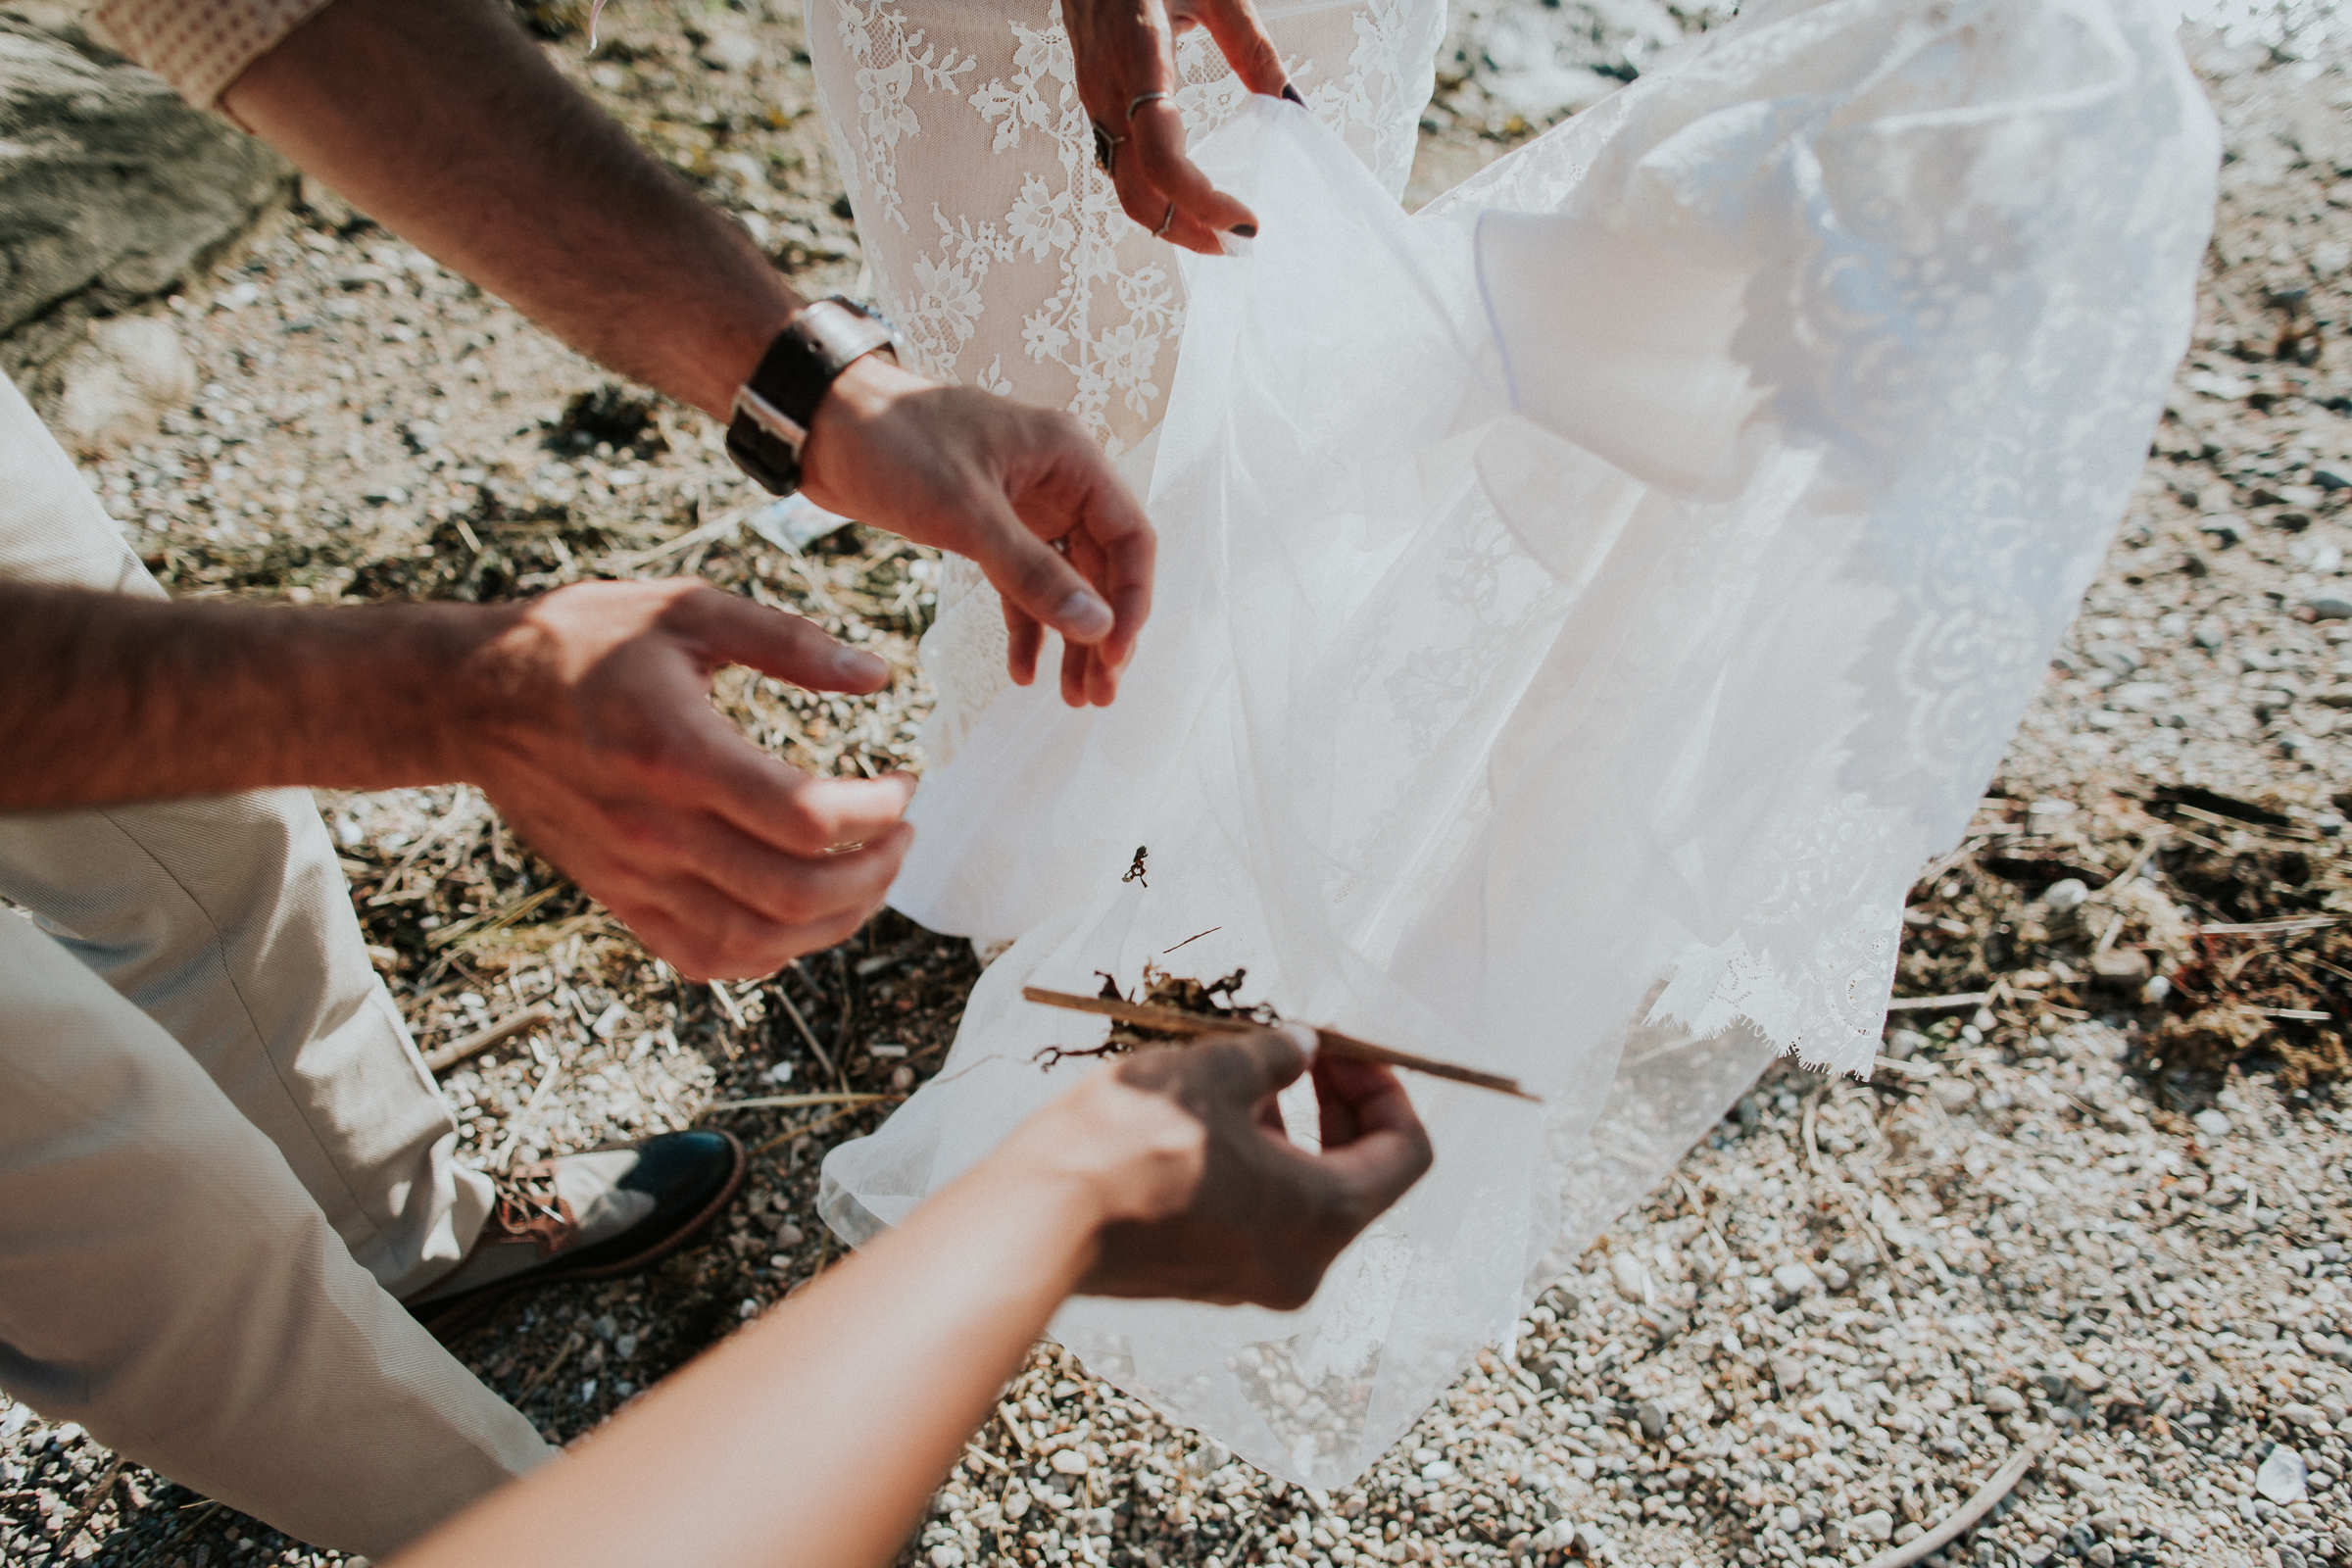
(1245, 230)
(1292, 93)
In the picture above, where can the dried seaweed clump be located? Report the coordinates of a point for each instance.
(1212, 998)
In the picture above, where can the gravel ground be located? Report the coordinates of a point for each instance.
(2095, 1217)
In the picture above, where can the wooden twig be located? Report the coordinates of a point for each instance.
(787, 1101)
(809, 1035)
(482, 1040)
(1837, 1184)
(1970, 999)
(185, 1528)
(1012, 1425)
(1962, 1520)
(2260, 928)
(90, 1504)
(548, 1371)
(525, 1117)
(804, 1129)
(1175, 1020)
(475, 928)
(2114, 928)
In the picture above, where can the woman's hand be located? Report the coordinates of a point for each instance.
(1196, 1190)
(1126, 54)
(816, 1436)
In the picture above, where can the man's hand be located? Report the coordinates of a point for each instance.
(1003, 484)
(447, 124)
(584, 714)
(1126, 49)
(1202, 1196)
(602, 749)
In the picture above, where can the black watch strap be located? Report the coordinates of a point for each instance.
(773, 408)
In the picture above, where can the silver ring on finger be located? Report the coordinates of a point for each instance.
(1062, 546)
(1165, 223)
(1142, 98)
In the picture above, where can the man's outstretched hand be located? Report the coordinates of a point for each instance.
(1021, 491)
(599, 743)
(1202, 1195)
(448, 124)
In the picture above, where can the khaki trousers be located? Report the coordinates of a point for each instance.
(220, 1156)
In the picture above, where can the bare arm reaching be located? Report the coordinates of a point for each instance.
(443, 121)
(812, 1439)
(582, 714)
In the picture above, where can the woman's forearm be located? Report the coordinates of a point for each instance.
(816, 1436)
(812, 1439)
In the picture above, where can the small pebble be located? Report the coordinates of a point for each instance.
(2282, 1477)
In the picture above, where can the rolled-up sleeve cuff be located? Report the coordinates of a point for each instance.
(199, 46)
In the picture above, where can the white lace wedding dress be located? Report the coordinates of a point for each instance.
(1585, 603)
(1001, 252)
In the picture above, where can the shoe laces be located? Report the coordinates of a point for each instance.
(531, 1209)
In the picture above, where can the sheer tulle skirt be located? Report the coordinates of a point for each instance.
(1585, 605)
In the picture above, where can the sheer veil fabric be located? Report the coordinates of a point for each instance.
(1587, 603)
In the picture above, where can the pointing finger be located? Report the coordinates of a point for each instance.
(737, 631)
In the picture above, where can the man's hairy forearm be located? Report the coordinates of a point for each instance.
(442, 120)
(110, 698)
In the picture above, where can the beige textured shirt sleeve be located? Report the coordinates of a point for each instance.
(199, 46)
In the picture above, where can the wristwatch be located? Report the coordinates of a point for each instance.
(773, 408)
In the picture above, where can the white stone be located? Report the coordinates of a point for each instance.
(1876, 1525)
(1795, 1279)
(730, 51)
(1952, 1094)
(2003, 1400)
(133, 371)
(1630, 1278)
(1069, 1461)
(2212, 1123)
(2067, 892)
(2282, 1477)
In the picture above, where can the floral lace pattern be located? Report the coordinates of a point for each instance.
(996, 245)
(1002, 253)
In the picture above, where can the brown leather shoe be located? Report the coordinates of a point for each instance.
(589, 1216)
